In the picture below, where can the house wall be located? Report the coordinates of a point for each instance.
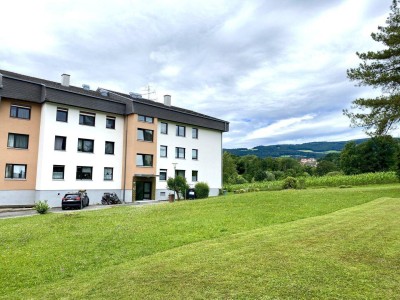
(18, 191)
(51, 189)
(134, 147)
(208, 164)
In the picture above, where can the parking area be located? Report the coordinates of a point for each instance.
(25, 212)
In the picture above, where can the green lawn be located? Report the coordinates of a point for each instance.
(320, 243)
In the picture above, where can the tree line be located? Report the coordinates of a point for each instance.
(378, 154)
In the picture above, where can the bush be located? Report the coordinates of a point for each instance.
(202, 190)
(269, 176)
(240, 180)
(289, 183)
(334, 173)
(41, 207)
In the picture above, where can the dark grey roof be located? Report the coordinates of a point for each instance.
(18, 86)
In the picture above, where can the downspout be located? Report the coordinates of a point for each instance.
(125, 154)
(1, 83)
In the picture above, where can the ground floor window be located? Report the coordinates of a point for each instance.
(58, 172)
(108, 173)
(195, 176)
(14, 171)
(84, 173)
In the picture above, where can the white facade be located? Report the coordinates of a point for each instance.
(51, 189)
(208, 164)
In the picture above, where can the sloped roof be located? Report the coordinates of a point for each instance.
(133, 105)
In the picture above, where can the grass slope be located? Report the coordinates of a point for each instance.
(243, 246)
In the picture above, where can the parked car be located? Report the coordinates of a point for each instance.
(77, 199)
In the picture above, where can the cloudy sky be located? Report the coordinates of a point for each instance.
(276, 70)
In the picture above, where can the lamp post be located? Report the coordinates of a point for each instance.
(174, 164)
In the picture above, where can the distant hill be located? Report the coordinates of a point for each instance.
(306, 150)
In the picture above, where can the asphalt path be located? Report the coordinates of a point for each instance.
(26, 212)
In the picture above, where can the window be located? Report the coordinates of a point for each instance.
(19, 141)
(144, 160)
(164, 128)
(179, 152)
(62, 115)
(85, 145)
(84, 173)
(180, 130)
(163, 151)
(145, 119)
(163, 174)
(195, 175)
(58, 172)
(109, 147)
(15, 171)
(87, 119)
(145, 135)
(195, 154)
(180, 173)
(108, 173)
(60, 143)
(195, 133)
(20, 112)
(110, 122)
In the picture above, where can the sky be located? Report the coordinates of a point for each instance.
(276, 70)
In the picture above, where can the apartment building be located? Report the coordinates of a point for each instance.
(55, 138)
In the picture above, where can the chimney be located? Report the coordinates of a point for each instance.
(65, 80)
(167, 100)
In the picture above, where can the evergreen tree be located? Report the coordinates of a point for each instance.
(380, 69)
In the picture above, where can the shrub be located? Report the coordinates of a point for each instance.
(289, 183)
(41, 207)
(240, 180)
(334, 173)
(269, 176)
(202, 190)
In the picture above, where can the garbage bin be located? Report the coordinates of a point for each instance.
(171, 197)
(190, 194)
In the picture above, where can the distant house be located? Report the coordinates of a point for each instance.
(309, 162)
(55, 137)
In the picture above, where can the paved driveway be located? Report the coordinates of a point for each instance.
(24, 212)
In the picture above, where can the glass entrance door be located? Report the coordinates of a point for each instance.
(143, 190)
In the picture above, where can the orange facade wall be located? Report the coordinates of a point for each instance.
(28, 156)
(133, 147)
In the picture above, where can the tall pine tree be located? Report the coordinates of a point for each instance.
(380, 69)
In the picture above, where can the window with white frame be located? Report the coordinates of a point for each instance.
(18, 141)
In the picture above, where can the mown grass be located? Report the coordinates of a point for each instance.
(265, 244)
(323, 181)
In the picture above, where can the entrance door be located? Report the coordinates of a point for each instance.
(143, 190)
